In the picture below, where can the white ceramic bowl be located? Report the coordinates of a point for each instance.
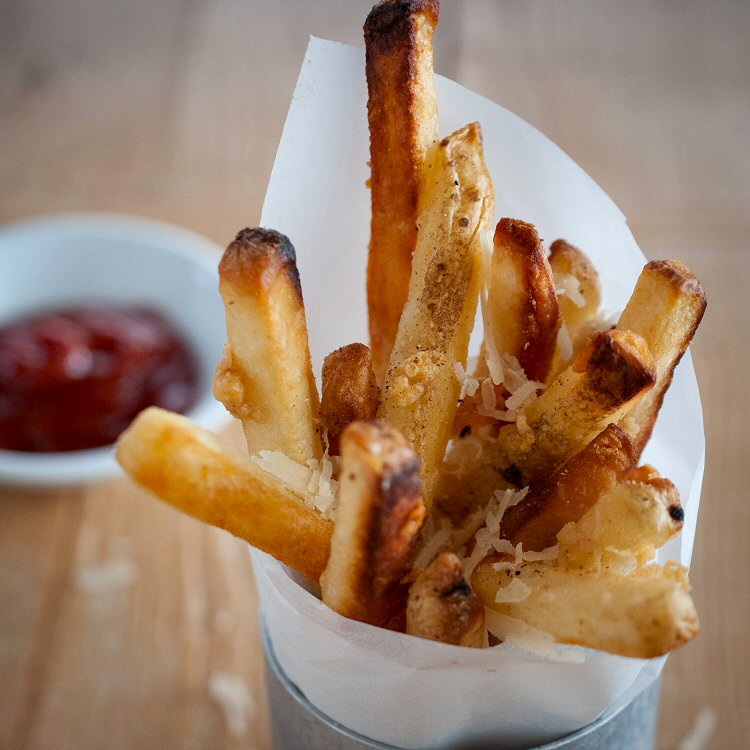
(66, 259)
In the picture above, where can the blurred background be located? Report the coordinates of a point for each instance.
(172, 110)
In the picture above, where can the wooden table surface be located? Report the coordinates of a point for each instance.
(173, 110)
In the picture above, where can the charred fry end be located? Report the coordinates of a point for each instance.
(379, 514)
(257, 256)
(620, 362)
(537, 311)
(390, 21)
(397, 510)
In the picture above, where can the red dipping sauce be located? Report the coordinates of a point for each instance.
(75, 378)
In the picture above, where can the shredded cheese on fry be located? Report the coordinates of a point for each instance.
(314, 483)
(516, 591)
(569, 286)
(565, 344)
(521, 390)
(546, 555)
(461, 453)
(438, 535)
(487, 536)
(517, 633)
(469, 385)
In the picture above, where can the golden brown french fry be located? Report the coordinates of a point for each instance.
(631, 517)
(350, 393)
(265, 376)
(521, 298)
(570, 491)
(421, 390)
(593, 392)
(403, 119)
(442, 606)
(187, 467)
(577, 308)
(378, 517)
(666, 308)
(633, 616)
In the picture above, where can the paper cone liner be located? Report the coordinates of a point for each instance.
(394, 688)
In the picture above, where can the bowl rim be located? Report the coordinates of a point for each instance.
(25, 469)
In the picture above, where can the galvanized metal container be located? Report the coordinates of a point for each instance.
(298, 725)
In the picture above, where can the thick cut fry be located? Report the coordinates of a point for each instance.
(634, 518)
(403, 119)
(577, 277)
(524, 317)
(633, 616)
(421, 390)
(666, 308)
(570, 491)
(265, 377)
(350, 393)
(190, 469)
(442, 606)
(379, 515)
(595, 391)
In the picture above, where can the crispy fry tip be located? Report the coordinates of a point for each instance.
(257, 255)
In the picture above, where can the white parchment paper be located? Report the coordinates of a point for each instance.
(394, 688)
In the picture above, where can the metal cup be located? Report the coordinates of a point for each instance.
(298, 725)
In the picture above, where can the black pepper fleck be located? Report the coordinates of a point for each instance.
(677, 513)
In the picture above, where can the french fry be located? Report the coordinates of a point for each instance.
(189, 468)
(403, 118)
(421, 390)
(379, 515)
(665, 308)
(633, 518)
(521, 318)
(593, 392)
(442, 606)
(633, 616)
(571, 491)
(349, 393)
(265, 376)
(576, 308)
(521, 299)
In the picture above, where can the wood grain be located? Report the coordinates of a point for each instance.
(173, 110)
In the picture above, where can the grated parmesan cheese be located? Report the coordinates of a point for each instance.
(469, 385)
(546, 555)
(565, 344)
(523, 394)
(487, 537)
(630, 426)
(569, 286)
(438, 535)
(516, 591)
(517, 633)
(521, 390)
(314, 483)
(461, 453)
(509, 549)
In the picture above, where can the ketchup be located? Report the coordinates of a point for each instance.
(75, 378)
